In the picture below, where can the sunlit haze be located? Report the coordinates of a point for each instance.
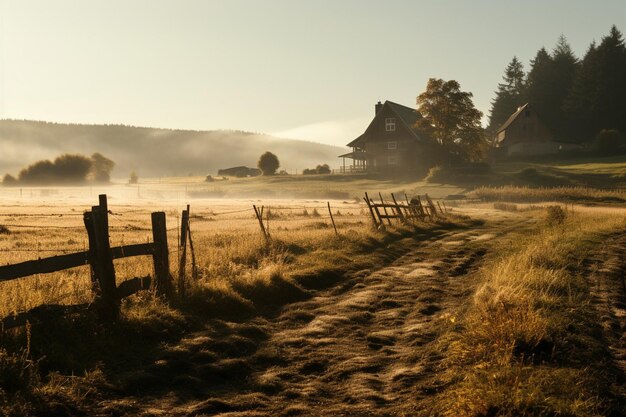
(310, 70)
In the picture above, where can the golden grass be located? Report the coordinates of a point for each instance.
(229, 246)
(562, 194)
(525, 345)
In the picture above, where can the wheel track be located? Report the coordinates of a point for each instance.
(365, 347)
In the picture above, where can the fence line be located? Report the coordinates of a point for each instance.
(100, 255)
(100, 258)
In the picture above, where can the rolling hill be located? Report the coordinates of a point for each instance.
(153, 152)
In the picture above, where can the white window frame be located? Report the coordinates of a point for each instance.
(390, 124)
(392, 160)
(392, 145)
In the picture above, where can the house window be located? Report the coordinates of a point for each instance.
(390, 124)
(392, 145)
(392, 160)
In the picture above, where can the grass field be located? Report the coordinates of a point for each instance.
(488, 311)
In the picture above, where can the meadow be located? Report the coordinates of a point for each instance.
(492, 308)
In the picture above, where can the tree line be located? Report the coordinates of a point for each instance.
(64, 169)
(575, 98)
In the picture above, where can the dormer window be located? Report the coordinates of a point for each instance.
(390, 124)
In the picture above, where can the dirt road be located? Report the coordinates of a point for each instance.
(365, 347)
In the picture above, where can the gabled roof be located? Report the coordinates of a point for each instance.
(406, 115)
(512, 118)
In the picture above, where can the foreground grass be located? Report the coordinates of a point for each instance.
(530, 342)
(56, 366)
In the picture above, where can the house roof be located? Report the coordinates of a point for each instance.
(406, 115)
(512, 118)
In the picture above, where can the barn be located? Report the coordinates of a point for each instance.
(524, 134)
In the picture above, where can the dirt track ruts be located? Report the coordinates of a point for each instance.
(365, 347)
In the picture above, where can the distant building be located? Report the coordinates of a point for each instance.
(390, 142)
(524, 134)
(240, 172)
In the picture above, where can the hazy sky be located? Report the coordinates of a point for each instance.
(306, 69)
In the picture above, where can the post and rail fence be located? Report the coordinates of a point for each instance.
(100, 255)
(100, 258)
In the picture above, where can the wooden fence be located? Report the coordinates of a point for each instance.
(404, 211)
(100, 258)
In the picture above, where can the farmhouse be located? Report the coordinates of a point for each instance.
(524, 134)
(390, 142)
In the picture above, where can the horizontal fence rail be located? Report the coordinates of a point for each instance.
(72, 260)
(99, 258)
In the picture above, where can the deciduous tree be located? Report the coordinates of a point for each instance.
(451, 120)
(268, 163)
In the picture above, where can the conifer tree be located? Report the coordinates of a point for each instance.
(510, 94)
(565, 65)
(539, 85)
(598, 98)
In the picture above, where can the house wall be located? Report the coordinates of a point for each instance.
(526, 128)
(403, 157)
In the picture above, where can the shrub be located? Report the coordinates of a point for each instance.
(323, 169)
(555, 215)
(67, 169)
(320, 169)
(101, 168)
(607, 141)
(268, 163)
(9, 180)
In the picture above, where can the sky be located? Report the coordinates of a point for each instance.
(302, 69)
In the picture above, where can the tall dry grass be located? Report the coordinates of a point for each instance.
(563, 194)
(528, 344)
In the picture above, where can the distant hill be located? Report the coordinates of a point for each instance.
(154, 152)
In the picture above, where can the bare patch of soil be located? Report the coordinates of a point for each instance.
(365, 346)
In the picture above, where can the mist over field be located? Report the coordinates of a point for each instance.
(154, 152)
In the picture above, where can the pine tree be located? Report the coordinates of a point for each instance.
(581, 101)
(565, 66)
(598, 98)
(509, 96)
(550, 81)
(539, 86)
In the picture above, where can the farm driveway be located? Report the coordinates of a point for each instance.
(366, 347)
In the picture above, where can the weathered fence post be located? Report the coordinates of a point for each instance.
(101, 259)
(398, 209)
(421, 207)
(184, 225)
(384, 208)
(369, 206)
(160, 257)
(259, 216)
(331, 218)
(433, 209)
